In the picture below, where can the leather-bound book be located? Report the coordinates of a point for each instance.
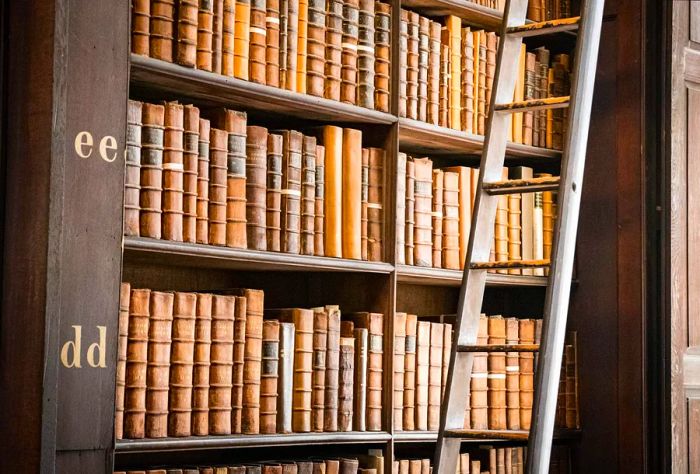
(542, 92)
(273, 191)
(403, 63)
(187, 12)
(256, 187)
(241, 41)
(475, 466)
(450, 221)
(332, 466)
(497, 375)
(272, 43)
(414, 466)
(334, 48)
(548, 218)
(535, 10)
(173, 168)
(253, 469)
(290, 214)
(512, 376)
(444, 103)
(303, 320)
(364, 193)
(514, 230)
(529, 84)
(290, 468)
(570, 387)
(519, 95)
(480, 53)
(412, 65)
(476, 83)
(271, 468)
(365, 55)
(345, 386)
(560, 417)
(349, 466)
(234, 123)
(318, 381)
(162, 32)
(302, 32)
(239, 347)
(319, 467)
(446, 354)
(366, 471)
(501, 227)
(308, 195)
(305, 467)
(433, 96)
(399, 368)
(491, 45)
(122, 344)
(205, 32)
(360, 379)
(285, 378)
(423, 64)
(374, 323)
(152, 132)
(401, 209)
(228, 27)
(269, 376)
(140, 27)
(437, 334)
(527, 372)
(319, 201)
(467, 80)
(422, 231)
(290, 82)
(527, 209)
(454, 30)
(221, 369)
(158, 368)
(351, 193)
(404, 466)
(284, 27)
(409, 380)
(200, 372)
(410, 210)
(465, 209)
(333, 203)
(330, 403)
(181, 364)
(382, 65)
(316, 47)
(422, 375)
(218, 147)
(191, 165)
(375, 205)
(202, 229)
(350, 37)
(438, 216)
(217, 36)
(478, 393)
(538, 231)
(132, 174)
(257, 68)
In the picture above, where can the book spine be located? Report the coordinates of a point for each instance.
(205, 32)
(284, 27)
(529, 94)
(269, 377)
(450, 222)
(217, 186)
(319, 201)
(412, 65)
(200, 372)
(399, 368)
(334, 49)
(316, 48)
(122, 345)
(433, 102)
(285, 378)
(330, 418)
(422, 375)
(202, 230)
(303, 368)
(478, 412)
(256, 187)
(514, 230)
(132, 176)
(401, 209)
(497, 375)
(423, 209)
(136, 364)
(491, 51)
(272, 43)
(140, 27)
(482, 72)
(187, 13)
(454, 28)
(571, 387)
(308, 194)
(364, 193)
(365, 54)
(467, 81)
(240, 322)
(438, 216)
(446, 354)
(253, 356)
(350, 36)
(302, 31)
(173, 167)
(375, 205)
(512, 376)
(258, 41)
(158, 368)
(403, 64)
(241, 48)
(345, 387)
(538, 232)
(152, 132)
(333, 228)
(318, 382)
(181, 365)
(410, 210)
(292, 44)
(382, 52)
(228, 26)
(423, 63)
(191, 165)
(351, 193)
(409, 380)
(274, 191)
(548, 217)
(437, 334)
(162, 29)
(235, 125)
(527, 370)
(218, 36)
(518, 96)
(501, 229)
(221, 368)
(291, 191)
(444, 103)
(360, 380)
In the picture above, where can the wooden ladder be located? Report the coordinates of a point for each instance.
(490, 186)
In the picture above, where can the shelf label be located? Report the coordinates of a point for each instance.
(85, 145)
(95, 356)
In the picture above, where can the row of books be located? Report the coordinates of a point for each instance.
(246, 187)
(434, 217)
(537, 10)
(502, 383)
(208, 364)
(337, 49)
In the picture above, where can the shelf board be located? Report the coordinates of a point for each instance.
(444, 277)
(481, 436)
(471, 12)
(421, 137)
(248, 441)
(154, 251)
(179, 81)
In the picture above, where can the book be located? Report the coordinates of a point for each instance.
(374, 323)
(360, 379)
(255, 185)
(410, 211)
(140, 27)
(451, 221)
(228, 37)
(330, 401)
(273, 192)
(527, 210)
(162, 32)
(364, 193)
(221, 368)
(438, 216)
(465, 209)
(478, 411)
(302, 32)
(334, 48)
(403, 63)
(490, 43)
(237, 374)
(365, 54)
(434, 69)
(519, 95)
(422, 230)
(191, 165)
(242, 37)
(150, 198)
(423, 63)
(218, 36)
(200, 372)
(375, 204)
(205, 32)
(319, 200)
(234, 123)
(529, 84)
(480, 56)
(173, 166)
(122, 345)
(318, 380)
(538, 231)
(269, 376)
(284, 43)
(181, 364)
(399, 368)
(422, 375)
(571, 386)
(382, 65)
(345, 385)
(316, 48)
(437, 334)
(218, 146)
(308, 195)
(514, 230)
(290, 214)
(350, 37)
(412, 65)
(512, 376)
(526, 334)
(257, 60)
(467, 100)
(132, 173)
(548, 218)
(501, 227)
(446, 354)
(496, 375)
(454, 36)
(272, 43)
(202, 224)
(409, 380)
(158, 367)
(351, 193)
(285, 378)
(401, 209)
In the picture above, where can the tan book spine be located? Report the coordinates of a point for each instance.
(319, 201)
(318, 382)
(491, 52)
(283, 58)
(234, 123)
(217, 186)
(512, 376)
(478, 412)
(374, 323)
(465, 210)
(257, 67)
(187, 12)
(438, 216)
(152, 132)
(514, 230)
(400, 250)
(422, 375)
(433, 102)
(548, 218)
(527, 371)
(330, 403)
(366, 54)
(450, 221)
(446, 354)
(241, 42)
(501, 227)
(122, 345)
(228, 26)
(162, 27)
(350, 37)
(527, 210)
(256, 187)
(364, 193)
(483, 70)
(291, 191)
(382, 54)
(375, 205)
(274, 191)
(351, 193)
(467, 81)
(218, 36)
(333, 205)
(302, 32)
(399, 368)
(292, 44)
(454, 29)
(239, 347)
(542, 91)
(202, 230)
(181, 365)
(269, 376)
(272, 43)
(316, 48)
(529, 94)
(205, 32)
(410, 209)
(409, 381)
(444, 103)
(437, 334)
(334, 49)
(519, 95)
(158, 368)
(345, 386)
(360, 379)
(191, 165)
(140, 27)
(132, 174)
(422, 231)
(253, 355)
(220, 371)
(412, 65)
(173, 167)
(497, 375)
(200, 373)
(308, 195)
(423, 64)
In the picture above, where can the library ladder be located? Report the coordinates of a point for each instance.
(489, 188)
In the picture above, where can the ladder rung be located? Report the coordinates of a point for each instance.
(545, 183)
(534, 104)
(518, 435)
(500, 348)
(545, 27)
(509, 264)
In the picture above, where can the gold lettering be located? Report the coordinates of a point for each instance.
(82, 140)
(98, 346)
(108, 143)
(73, 345)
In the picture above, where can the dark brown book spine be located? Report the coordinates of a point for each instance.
(412, 65)
(200, 373)
(423, 63)
(258, 41)
(403, 64)
(239, 339)
(364, 195)
(274, 191)
(220, 371)
(187, 12)
(529, 94)
(316, 48)
(318, 382)
(433, 102)
(217, 186)
(348, 74)
(334, 48)
(253, 357)
(365, 55)
(191, 165)
(438, 194)
(181, 365)
(202, 230)
(228, 27)
(359, 422)
(162, 29)
(291, 191)
(173, 168)
(158, 369)
(410, 210)
(319, 201)
(422, 233)
(382, 53)
(345, 387)
(308, 195)
(132, 176)
(256, 177)
(330, 404)
(435, 375)
(272, 43)
(151, 170)
(235, 125)
(122, 344)
(205, 32)
(375, 205)
(268, 377)
(140, 27)
(217, 36)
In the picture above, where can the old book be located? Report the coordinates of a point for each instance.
(333, 222)
(290, 82)
(542, 91)
(529, 83)
(272, 43)
(350, 36)
(308, 195)
(173, 167)
(409, 380)
(334, 48)
(318, 379)
(187, 12)
(527, 371)
(241, 42)
(501, 227)
(191, 165)
(332, 466)
(330, 402)
(570, 387)
(480, 47)
(256, 189)
(454, 30)
(132, 174)
(412, 65)
(382, 41)
(234, 123)
(283, 55)
(218, 36)
(422, 230)
(422, 375)
(316, 48)
(512, 376)
(374, 323)
(410, 211)
(401, 209)
(465, 209)
(535, 10)
(519, 95)
(122, 345)
(181, 364)
(269, 377)
(218, 147)
(257, 67)
(433, 101)
(423, 63)
(527, 209)
(514, 230)
(364, 193)
(221, 368)
(360, 379)
(228, 29)
(438, 216)
(345, 386)
(475, 466)
(497, 375)
(450, 221)
(478, 411)
(538, 231)
(158, 368)
(205, 32)
(319, 200)
(365, 54)
(140, 27)
(290, 215)
(285, 378)
(491, 45)
(162, 28)
(349, 466)
(548, 218)
(403, 63)
(302, 32)
(375, 205)
(273, 192)
(239, 340)
(200, 372)
(404, 466)
(463, 465)
(399, 368)
(467, 52)
(152, 132)
(351, 193)
(414, 466)
(446, 354)
(437, 334)
(202, 229)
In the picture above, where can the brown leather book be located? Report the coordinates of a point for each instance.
(187, 12)
(548, 218)
(200, 373)
(302, 31)
(480, 49)
(270, 468)
(446, 354)
(332, 466)
(228, 28)
(465, 210)
(173, 168)
(454, 31)
(350, 37)
(158, 368)
(272, 43)
(438, 216)
(423, 62)
(181, 364)
(437, 334)
(291, 191)
(330, 403)
(450, 221)
(571, 387)
(374, 323)
(478, 412)
(399, 368)
(365, 55)
(319, 467)
(403, 63)
(345, 386)
(514, 230)
(234, 123)
(348, 466)
(409, 383)
(412, 44)
(285, 378)
(351, 193)
(366, 471)
(290, 82)
(410, 210)
(527, 371)
(400, 253)
(334, 49)
(382, 65)
(152, 132)
(218, 147)
(422, 375)
(319, 201)
(375, 205)
(501, 227)
(284, 27)
(527, 216)
(404, 466)
(433, 102)
(290, 468)
(202, 229)
(414, 466)
(542, 90)
(364, 193)
(308, 194)
(422, 231)
(360, 379)
(205, 32)
(467, 81)
(258, 41)
(316, 47)
(122, 344)
(268, 377)
(333, 202)
(529, 84)
(239, 346)
(218, 36)
(318, 380)
(444, 100)
(512, 376)
(162, 27)
(241, 42)
(256, 187)
(191, 165)
(140, 27)
(132, 174)
(221, 369)
(497, 375)
(274, 191)
(305, 467)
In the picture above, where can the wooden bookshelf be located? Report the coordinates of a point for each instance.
(470, 12)
(445, 277)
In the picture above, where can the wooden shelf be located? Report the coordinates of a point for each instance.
(154, 251)
(421, 137)
(180, 82)
(415, 436)
(472, 13)
(444, 277)
(481, 436)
